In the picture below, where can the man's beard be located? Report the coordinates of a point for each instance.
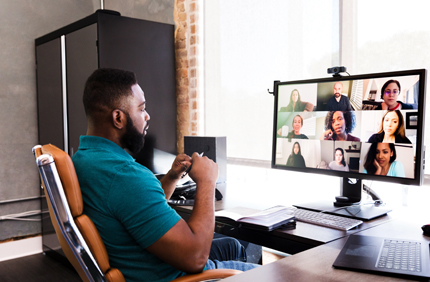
(132, 139)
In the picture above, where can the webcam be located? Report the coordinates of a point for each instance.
(336, 70)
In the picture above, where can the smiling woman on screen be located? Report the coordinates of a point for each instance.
(381, 160)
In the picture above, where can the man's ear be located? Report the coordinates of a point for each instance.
(118, 118)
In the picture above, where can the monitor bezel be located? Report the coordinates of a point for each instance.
(419, 159)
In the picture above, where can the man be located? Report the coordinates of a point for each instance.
(144, 237)
(338, 102)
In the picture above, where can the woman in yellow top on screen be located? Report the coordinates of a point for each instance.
(390, 91)
(392, 129)
(338, 125)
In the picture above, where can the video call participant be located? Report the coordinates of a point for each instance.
(389, 93)
(297, 126)
(381, 160)
(296, 159)
(339, 161)
(338, 125)
(144, 236)
(296, 104)
(392, 129)
(338, 102)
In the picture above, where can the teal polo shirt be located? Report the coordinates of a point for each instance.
(127, 204)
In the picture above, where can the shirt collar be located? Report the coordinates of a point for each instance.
(96, 142)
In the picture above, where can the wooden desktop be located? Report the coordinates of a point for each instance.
(315, 248)
(315, 264)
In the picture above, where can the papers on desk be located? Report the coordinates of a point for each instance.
(266, 220)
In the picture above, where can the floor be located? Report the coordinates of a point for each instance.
(45, 268)
(37, 268)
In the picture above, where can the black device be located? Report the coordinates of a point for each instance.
(215, 148)
(378, 255)
(319, 148)
(336, 70)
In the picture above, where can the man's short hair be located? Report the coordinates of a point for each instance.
(106, 88)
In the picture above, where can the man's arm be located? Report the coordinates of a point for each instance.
(186, 245)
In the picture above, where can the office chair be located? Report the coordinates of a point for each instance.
(78, 236)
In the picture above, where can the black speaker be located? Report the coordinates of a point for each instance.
(215, 148)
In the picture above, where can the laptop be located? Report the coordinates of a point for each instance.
(385, 256)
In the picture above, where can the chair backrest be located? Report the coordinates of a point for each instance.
(78, 236)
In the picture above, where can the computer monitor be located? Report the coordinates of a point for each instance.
(356, 127)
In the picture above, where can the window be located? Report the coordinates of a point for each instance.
(249, 44)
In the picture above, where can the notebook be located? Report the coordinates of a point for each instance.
(381, 256)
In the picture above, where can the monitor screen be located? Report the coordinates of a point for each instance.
(363, 126)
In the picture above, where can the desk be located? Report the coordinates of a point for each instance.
(316, 264)
(304, 237)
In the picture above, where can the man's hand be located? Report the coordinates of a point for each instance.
(204, 170)
(169, 181)
(179, 166)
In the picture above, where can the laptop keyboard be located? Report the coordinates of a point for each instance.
(401, 255)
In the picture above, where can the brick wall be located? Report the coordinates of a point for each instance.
(186, 51)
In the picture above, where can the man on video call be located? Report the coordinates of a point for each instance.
(144, 236)
(338, 102)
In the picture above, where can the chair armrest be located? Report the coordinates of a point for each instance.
(208, 274)
(309, 107)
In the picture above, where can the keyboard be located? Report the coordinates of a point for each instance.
(327, 220)
(400, 254)
(181, 202)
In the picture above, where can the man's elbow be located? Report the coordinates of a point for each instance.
(194, 264)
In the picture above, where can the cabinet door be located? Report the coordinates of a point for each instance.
(50, 120)
(49, 94)
(81, 61)
(147, 49)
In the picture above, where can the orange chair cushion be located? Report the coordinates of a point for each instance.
(94, 241)
(114, 275)
(68, 177)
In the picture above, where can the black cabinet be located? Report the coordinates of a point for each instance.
(66, 57)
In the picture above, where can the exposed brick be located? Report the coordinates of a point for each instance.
(182, 99)
(180, 34)
(193, 73)
(193, 62)
(194, 127)
(193, 94)
(182, 54)
(193, 29)
(182, 16)
(180, 44)
(193, 40)
(194, 105)
(192, 7)
(193, 18)
(194, 116)
(192, 51)
(181, 7)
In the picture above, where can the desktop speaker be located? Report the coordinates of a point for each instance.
(215, 148)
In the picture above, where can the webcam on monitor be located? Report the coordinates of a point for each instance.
(336, 70)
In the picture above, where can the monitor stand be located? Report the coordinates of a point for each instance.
(348, 203)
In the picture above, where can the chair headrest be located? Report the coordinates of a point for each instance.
(68, 177)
